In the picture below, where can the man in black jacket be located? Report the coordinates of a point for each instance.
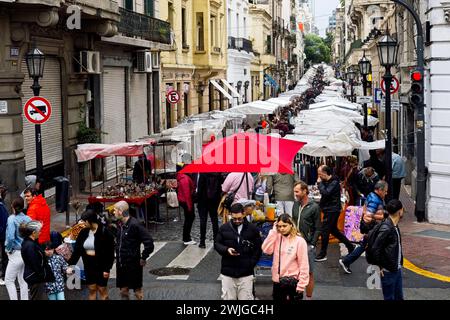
(387, 251)
(306, 215)
(330, 203)
(209, 193)
(239, 244)
(129, 259)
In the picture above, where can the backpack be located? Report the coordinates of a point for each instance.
(371, 238)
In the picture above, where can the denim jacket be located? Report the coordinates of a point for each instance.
(13, 238)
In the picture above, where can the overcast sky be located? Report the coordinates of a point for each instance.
(323, 11)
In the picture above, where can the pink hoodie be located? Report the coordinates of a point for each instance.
(294, 257)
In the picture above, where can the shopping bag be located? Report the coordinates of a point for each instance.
(172, 198)
(353, 217)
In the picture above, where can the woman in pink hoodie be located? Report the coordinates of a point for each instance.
(185, 192)
(290, 259)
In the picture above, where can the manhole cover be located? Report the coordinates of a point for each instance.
(170, 271)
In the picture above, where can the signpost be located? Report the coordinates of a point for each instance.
(173, 97)
(367, 99)
(395, 105)
(395, 86)
(38, 110)
(3, 107)
(378, 95)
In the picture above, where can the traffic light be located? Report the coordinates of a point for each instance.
(416, 87)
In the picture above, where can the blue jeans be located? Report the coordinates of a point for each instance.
(392, 285)
(352, 257)
(56, 296)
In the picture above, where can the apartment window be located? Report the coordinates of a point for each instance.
(244, 35)
(149, 7)
(170, 13)
(229, 22)
(129, 5)
(186, 102)
(268, 44)
(213, 31)
(200, 32)
(237, 25)
(183, 28)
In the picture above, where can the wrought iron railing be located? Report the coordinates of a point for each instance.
(240, 44)
(134, 24)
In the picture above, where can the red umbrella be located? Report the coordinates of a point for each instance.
(247, 152)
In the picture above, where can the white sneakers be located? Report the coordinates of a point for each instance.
(192, 242)
(2, 282)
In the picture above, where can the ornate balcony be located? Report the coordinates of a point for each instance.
(240, 44)
(134, 24)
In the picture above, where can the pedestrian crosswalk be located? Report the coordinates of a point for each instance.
(185, 257)
(189, 258)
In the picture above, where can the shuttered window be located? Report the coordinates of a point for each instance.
(113, 114)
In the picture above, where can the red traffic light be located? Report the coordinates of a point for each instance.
(417, 76)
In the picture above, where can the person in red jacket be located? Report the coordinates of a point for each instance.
(185, 191)
(38, 210)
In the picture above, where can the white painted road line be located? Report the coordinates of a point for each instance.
(189, 258)
(158, 246)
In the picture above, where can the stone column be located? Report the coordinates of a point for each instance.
(12, 157)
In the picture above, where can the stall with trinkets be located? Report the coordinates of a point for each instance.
(124, 189)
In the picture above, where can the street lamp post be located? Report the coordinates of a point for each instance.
(420, 118)
(364, 69)
(35, 60)
(351, 75)
(387, 52)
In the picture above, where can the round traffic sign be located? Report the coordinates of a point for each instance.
(173, 96)
(37, 110)
(395, 85)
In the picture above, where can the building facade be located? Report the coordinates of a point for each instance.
(90, 78)
(198, 63)
(240, 50)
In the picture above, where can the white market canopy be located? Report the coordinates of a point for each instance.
(280, 102)
(256, 108)
(336, 145)
(353, 115)
(341, 103)
(324, 124)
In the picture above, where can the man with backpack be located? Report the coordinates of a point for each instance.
(373, 212)
(386, 252)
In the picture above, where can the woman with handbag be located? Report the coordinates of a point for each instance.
(290, 267)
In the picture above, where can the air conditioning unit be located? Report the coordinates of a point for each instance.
(90, 62)
(144, 61)
(155, 59)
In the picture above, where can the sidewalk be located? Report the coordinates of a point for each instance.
(425, 245)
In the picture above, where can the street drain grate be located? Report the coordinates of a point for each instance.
(161, 272)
